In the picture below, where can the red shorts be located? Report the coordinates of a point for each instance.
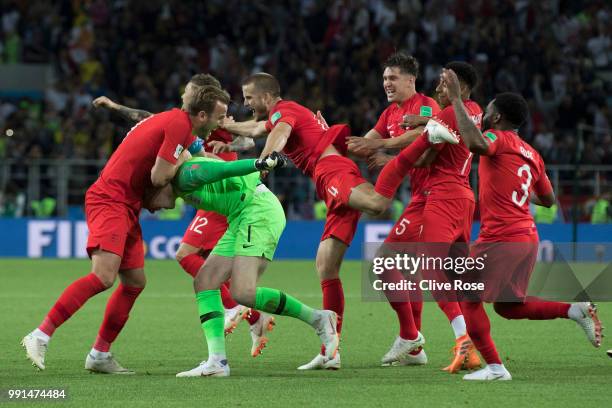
(334, 177)
(114, 227)
(447, 221)
(408, 226)
(508, 267)
(205, 230)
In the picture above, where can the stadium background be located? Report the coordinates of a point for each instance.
(56, 57)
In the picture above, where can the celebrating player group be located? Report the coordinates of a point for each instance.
(191, 153)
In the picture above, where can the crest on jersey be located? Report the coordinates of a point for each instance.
(177, 152)
(275, 117)
(491, 136)
(425, 111)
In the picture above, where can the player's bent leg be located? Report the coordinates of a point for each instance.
(105, 266)
(244, 289)
(364, 198)
(99, 359)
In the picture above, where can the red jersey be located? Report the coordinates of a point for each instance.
(128, 171)
(308, 136)
(508, 173)
(449, 173)
(388, 125)
(224, 136)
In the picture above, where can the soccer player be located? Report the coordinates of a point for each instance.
(399, 78)
(320, 152)
(511, 174)
(148, 157)
(256, 221)
(207, 227)
(449, 206)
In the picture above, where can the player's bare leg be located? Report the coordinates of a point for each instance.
(105, 266)
(365, 198)
(328, 262)
(100, 359)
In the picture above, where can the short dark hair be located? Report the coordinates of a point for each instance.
(263, 83)
(512, 107)
(205, 99)
(205, 80)
(406, 63)
(465, 72)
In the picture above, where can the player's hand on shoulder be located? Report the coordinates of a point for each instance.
(228, 120)
(272, 161)
(103, 102)
(219, 146)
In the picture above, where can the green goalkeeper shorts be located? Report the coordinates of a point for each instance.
(256, 230)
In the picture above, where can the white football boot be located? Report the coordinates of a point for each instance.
(491, 372)
(105, 365)
(35, 349)
(402, 348)
(585, 315)
(209, 368)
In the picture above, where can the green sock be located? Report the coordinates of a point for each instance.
(193, 174)
(277, 302)
(212, 318)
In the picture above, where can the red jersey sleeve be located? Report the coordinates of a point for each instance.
(543, 185)
(281, 114)
(381, 125)
(493, 140)
(177, 137)
(435, 108)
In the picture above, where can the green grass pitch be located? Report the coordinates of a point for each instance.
(551, 361)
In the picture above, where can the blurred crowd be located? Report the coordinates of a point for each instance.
(327, 55)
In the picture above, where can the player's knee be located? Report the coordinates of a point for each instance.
(182, 252)
(134, 280)
(327, 271)
(243, 294)
(502, 309)
(379, 204)
(106, 277)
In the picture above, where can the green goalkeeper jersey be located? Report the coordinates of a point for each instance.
(214, 185)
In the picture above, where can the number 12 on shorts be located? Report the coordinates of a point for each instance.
(197, 224)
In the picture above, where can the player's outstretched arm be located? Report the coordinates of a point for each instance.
(365, 146)
(250, 128)
(277, 139)
(404, 140)
(239, 144)
(130, 114)
(471, 135)
(194, 174)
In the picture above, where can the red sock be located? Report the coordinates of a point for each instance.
(116, 315)
(192, 263)
(450, 309)
(533, 309)
(417, 311)
(253, 316)
(226, 297)
(333, 299)
(71, 300)
(394, 172)
(479, 330)
(408, 330)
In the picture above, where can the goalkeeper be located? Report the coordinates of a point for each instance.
(256, 221)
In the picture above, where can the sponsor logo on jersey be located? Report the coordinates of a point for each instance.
(275, 117)
(425, 111)
(333, 191)
(177, 152)
(491, 136)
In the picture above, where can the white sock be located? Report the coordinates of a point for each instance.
(41, 335)
(97, 354)
(458, 325)
(217, 357)
(497, 368)
(575, 312)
